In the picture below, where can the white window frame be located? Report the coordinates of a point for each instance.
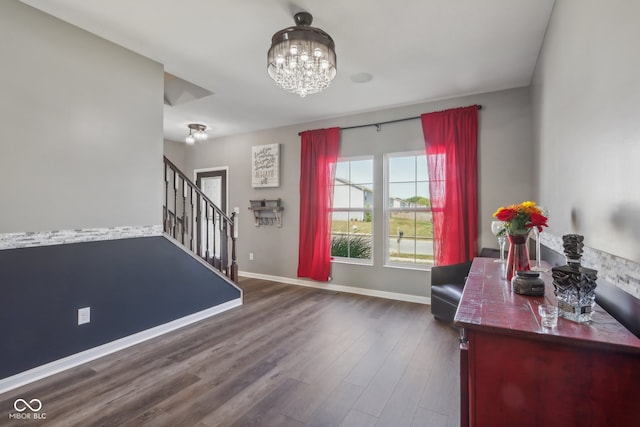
(369, 210)
(387, 211)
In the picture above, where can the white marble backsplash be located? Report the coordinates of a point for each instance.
(60, 237)
(617, 271)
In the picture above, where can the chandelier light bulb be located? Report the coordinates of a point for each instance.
(190, 139)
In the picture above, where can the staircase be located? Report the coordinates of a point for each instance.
(192, 219)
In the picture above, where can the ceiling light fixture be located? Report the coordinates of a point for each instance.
(196, 133)
(302, 59)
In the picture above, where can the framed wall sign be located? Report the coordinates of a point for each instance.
(265, 165)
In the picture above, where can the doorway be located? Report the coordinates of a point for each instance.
(213, 183)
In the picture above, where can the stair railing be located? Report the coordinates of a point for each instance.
(191, 218)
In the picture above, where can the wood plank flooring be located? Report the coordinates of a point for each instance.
(290, 356)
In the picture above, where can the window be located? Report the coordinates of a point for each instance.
(352, 213)
(409, 225)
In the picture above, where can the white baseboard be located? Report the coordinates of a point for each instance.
(74, 360)
(339, 288)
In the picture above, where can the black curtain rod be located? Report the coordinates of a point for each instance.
(377, 125)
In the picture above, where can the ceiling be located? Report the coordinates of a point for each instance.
(415, 50)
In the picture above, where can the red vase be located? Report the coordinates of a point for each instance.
(518, 259)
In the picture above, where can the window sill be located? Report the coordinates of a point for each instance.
(352, 261)
(423, 267)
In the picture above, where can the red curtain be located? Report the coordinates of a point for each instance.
(317, 171)
(451, 142)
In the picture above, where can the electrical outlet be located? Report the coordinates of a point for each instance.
(250, 256)
(84, 315)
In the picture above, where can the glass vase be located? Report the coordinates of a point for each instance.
(518, 258)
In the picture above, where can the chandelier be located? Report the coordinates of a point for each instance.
(196, 133)
(302, 59)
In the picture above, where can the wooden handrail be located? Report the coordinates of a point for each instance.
(198, 215)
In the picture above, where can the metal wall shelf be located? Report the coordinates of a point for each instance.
(267, 211)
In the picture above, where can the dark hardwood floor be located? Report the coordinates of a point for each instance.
(290, 356)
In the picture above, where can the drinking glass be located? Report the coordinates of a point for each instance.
(538, 266)
(498, 230)
(548, 315)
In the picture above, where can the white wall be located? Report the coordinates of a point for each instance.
(586, 123)
(80, 128)
(505, 133)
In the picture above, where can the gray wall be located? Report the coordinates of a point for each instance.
(81, 121)
(505, 133)
(585, 101)
(177, 153)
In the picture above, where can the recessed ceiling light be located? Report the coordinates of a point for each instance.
(361, 77)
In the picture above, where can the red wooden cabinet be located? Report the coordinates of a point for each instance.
(515, 373)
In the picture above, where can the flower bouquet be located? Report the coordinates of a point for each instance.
(518, 221)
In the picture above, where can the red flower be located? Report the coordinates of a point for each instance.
(537, 220)
(506, 214)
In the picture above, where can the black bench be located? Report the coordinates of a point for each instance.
(623, 307)
(447, 283)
